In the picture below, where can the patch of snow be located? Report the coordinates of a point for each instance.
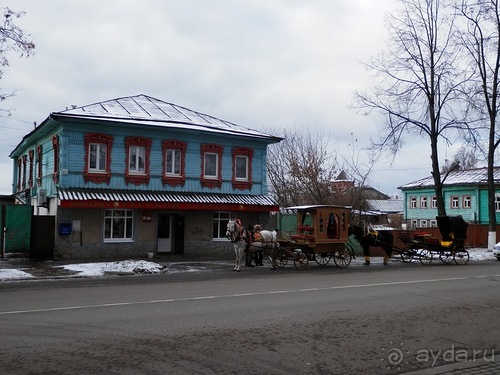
(12, 274)
(126, 266)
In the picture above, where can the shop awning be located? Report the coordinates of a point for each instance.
(100, 198)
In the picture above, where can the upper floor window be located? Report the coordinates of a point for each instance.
(467, 201)
(137, 151)
(413, 202)
(211, 165)
(434, 202)
(39, 165)
(174, 162)
(97, 157)
(423, 202)
(454, 201)
(31, 157)
(497, 202)
(242, 168)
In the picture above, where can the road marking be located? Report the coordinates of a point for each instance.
(235, 295)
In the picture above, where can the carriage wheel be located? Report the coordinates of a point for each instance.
(281, 258)
(407, 256)
(300, 260)
(342, 257)
(425, 256)
(446, 257)
(461, 257)
(322, 259)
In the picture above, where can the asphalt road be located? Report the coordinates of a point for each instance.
(359, 320)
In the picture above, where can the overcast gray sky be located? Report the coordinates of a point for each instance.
(264, 64)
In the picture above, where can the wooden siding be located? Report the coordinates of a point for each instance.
(72, 159)
(477, 213)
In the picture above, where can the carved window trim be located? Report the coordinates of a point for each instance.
(209, 182)
(168, 179)
(55, 147)
(39, 162)
(132, 177)
(97, 176)
(31, 157)
(238, 183)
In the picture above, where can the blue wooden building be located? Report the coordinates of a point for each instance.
(134, 175)
(465, 193)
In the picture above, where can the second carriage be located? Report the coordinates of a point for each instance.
(321, 235)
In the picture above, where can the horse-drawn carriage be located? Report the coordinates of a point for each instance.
(450, 248)
(321, 235)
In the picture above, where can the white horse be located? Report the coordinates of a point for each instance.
(238, 237)
(266, 239)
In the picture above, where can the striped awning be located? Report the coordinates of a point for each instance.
(99, 198)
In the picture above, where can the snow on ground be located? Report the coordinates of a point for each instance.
(142, 266)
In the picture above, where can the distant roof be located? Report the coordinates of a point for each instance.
(386, 205)
(146, 110)
(476, 176)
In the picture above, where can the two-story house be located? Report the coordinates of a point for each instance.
(465, 193)
(136, 174)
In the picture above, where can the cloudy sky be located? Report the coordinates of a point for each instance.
(263, 64)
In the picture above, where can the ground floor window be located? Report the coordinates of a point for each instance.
(220, 224)
(118, 225)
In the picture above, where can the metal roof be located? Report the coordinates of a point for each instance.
(386, 205)
(163, 197)
(146, 110)
(476, 176)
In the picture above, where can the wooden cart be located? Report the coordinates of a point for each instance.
(321, 235)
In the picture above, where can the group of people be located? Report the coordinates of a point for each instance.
(253, 254)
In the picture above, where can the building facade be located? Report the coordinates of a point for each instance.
(135, 175)
(465, 193)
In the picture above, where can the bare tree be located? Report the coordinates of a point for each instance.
(481, 40)
(300, 169)
(12, 39)
(420, 78)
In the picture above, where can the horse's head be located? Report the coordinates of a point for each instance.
(356, 230)
(233, 230)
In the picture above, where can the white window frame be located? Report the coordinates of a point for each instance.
(413, 223)
(423, 223)
(467, 201)
(137, 160)
(173, 157)
(433, 223)
(219, 226)
(101, 153)
(423, 202)
(112, 218)
(238, 167)
(497, 202)
(434, 202)
(454, 202)
(413, 202)
(208, 162)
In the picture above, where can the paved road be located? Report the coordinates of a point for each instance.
(361, 320)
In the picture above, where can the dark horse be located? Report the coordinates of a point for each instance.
(368, 237)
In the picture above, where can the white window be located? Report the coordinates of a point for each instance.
(241, 168)
(220, 224)
(413, 202)
(97, 157)
(137, 159)
(211, 165)
(118, 225)
(433, 223)
(423, 223)
(423, 202)
(497, 202)
(413, 224)
(434, 202)
(454, 201)
(173, 162)
(467, 201)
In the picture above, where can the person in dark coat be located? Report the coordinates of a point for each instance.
(249, 255)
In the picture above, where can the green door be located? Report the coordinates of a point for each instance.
(18, 228)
